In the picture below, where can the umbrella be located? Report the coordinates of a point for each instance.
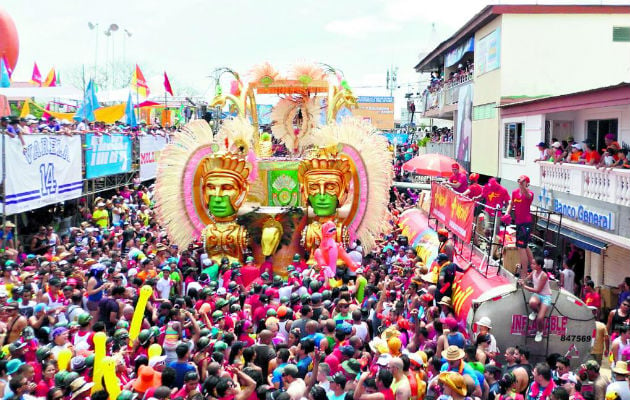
(431, 165)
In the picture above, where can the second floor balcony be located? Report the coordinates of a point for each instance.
(437, 102)
(612, 186)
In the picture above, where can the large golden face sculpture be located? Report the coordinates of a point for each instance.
(224, 184)
(324, 184)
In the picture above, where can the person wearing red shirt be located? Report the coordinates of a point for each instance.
(474, 188)
(591, 155)
(495, 197)
(591, 297)
(458, 180)
(522, 199)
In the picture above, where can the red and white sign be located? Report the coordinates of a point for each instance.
(150, 149)
(454, 211)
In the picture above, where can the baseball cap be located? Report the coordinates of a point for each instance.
(569, 377)
(339, 378)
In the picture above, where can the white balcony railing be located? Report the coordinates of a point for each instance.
(612, 186)
(446, 95)
(444, 148)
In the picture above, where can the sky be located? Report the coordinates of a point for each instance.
(189, 39)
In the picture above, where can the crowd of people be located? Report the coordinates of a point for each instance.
(212, 329)
(461, 74)
(613, 155)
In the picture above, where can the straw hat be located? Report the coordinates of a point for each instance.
(9, 224)
(79, 386)
(445, 301)
(453, 353)
(621, 368)
(454, 381)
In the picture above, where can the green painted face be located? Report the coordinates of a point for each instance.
(220, 206)
(324, 205)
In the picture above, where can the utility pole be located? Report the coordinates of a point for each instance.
(392, 80)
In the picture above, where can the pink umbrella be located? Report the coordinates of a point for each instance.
(431, 165)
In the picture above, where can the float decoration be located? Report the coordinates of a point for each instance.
(205, 181)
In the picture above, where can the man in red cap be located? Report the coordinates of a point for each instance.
(521, 202)
(458, 180)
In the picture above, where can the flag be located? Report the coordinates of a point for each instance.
(167, 84)
(36, 76)
(90, 103)
(51, 78)
(26, 109)
(8, 66)
(5, 80)
(139, 84)
(45, 115)
(130, 114)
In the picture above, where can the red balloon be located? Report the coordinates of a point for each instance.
(9, 43)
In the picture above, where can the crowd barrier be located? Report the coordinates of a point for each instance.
(48, 169)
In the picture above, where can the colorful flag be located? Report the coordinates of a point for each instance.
(36, 76)
(7, 65)
(45, 115)
(139, 84)
(51, 78)
(90, 103)
(130, 113)
(167, 84)
(5, 80)
(26, 109)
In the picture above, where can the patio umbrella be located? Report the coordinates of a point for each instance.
(431, 165)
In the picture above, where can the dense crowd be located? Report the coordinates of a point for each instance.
(222, 330)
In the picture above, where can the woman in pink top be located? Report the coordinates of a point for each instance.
(540, 301)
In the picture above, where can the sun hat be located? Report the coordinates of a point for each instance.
(453, 353)
(147, 378)
(352, 366)
(621, 368)
(485, 321)
(384, 359)
(13, 365)
(445, 301)
(454, 381)
(79, 386)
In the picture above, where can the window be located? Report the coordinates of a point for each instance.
(621, 33)
(596, 129)
(513, 141)
(484, 111)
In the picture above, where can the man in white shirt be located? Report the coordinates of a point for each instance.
(164, 284)
(567, 278)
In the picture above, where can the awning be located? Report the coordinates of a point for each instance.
(582, 241)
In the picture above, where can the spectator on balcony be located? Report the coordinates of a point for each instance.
(545, 152)
(458, 180)
(591, 156)
(610, 141)
(609, 158)
(623, 161)
(576, 153)
(557, 152)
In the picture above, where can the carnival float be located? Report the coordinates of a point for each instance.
(227, 191)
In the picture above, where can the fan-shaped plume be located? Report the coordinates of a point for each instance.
(283, 115)
(263, 74)
(170, 198)
(307, 72)
(371, 157)
(237, 134)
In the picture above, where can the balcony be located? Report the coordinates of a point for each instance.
(444, 148)
(612, 186)
(444, 100)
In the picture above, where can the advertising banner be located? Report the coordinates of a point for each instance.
(488, 53)
(464, 123)
(46, 170)
(378, 110)
(452, 210)
(469, 286)
(150, 149)
(107, 155)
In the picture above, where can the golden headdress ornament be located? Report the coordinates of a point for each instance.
(326, 164)
(226, 164)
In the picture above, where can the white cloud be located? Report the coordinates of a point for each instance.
(361, 26)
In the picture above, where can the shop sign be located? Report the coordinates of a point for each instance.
(585, 214)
